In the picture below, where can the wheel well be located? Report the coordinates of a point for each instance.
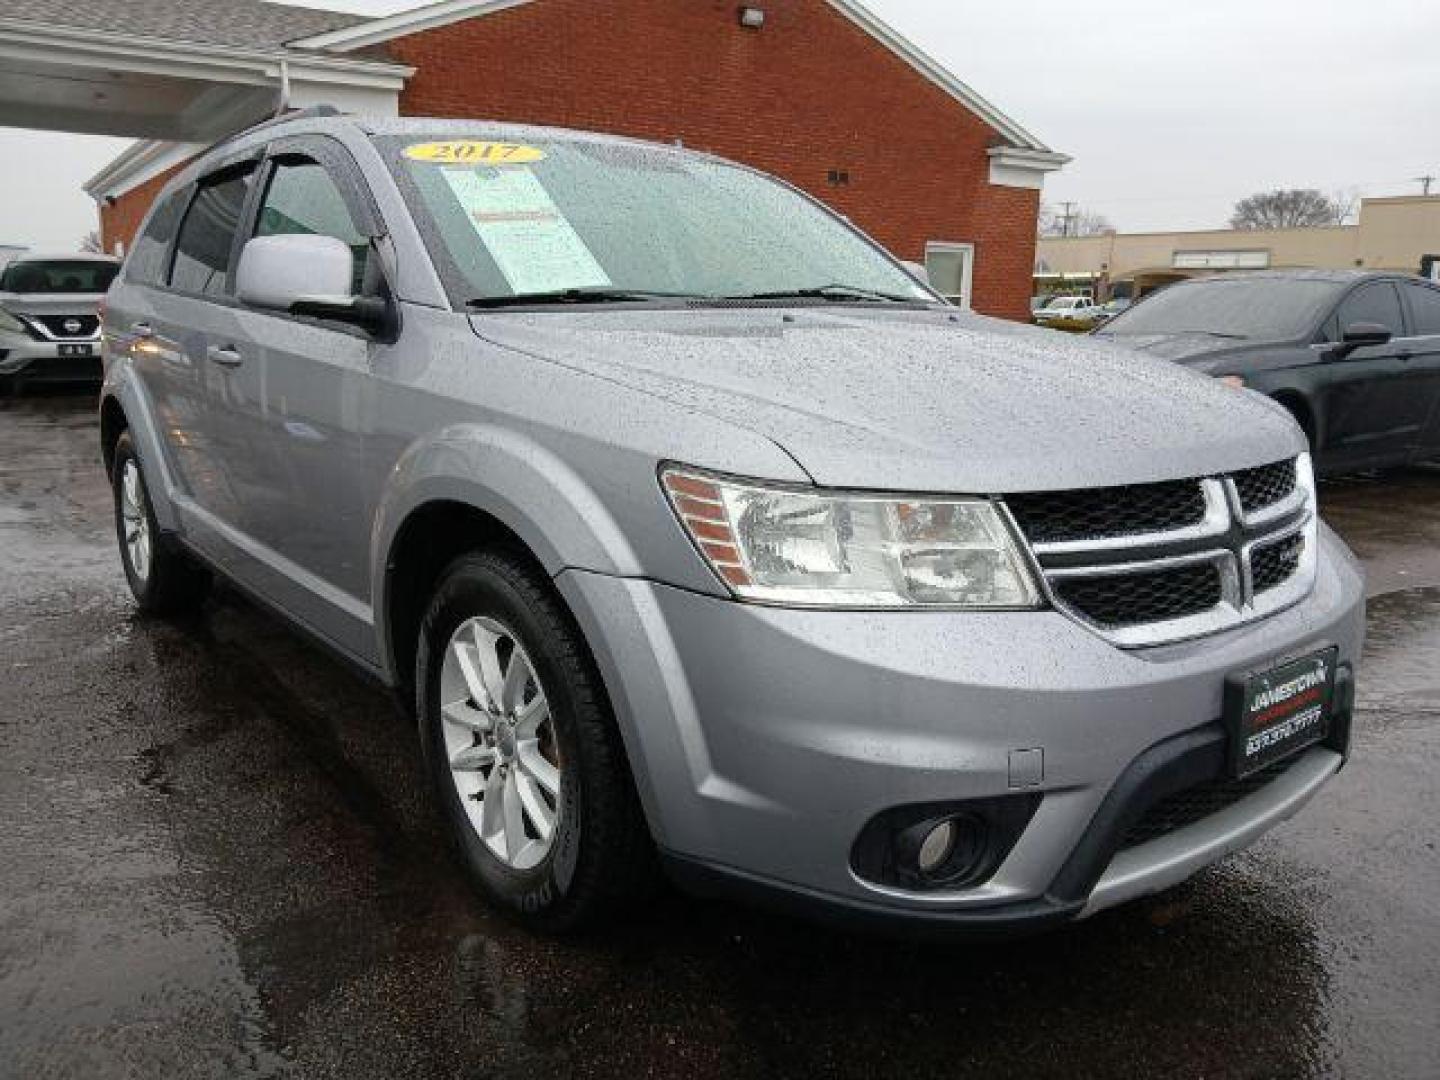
(431, 538)
(1300, 409)
(112, 426)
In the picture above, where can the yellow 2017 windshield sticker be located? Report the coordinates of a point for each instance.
(474, 152)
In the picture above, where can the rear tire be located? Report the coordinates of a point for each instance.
(163, 578)
(525, 758)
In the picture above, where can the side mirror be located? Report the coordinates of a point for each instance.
(305, 274)
(1360, 335)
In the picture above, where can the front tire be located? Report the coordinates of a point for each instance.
(523, 752)
(163, 579)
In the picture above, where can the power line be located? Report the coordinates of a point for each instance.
(1425, 182)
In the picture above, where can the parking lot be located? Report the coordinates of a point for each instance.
(220, 861)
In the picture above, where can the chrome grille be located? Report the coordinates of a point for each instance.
(1273, 564)
(1151, 563)
(67, 326)
(1265, 486)
(1060, 516)
(1135, 599)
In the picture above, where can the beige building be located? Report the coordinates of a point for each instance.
(1400, 233)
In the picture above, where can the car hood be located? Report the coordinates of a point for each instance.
(1181, 347)
(919, 400)
(51, 303)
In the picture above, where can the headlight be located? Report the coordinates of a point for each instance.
(10, 323)
(833, 549)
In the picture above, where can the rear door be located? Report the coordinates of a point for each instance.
(1374, 405)
(296, 399)
(188, 316)
(1423, 304)
(174, 294)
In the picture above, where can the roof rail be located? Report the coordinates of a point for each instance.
(311, 111)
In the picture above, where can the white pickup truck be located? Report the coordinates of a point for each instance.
(1069, 309)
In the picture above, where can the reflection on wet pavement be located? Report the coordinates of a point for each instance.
(218, 860)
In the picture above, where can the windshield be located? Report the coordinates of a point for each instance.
(77, 276)
(1265, 309)
(620, 221)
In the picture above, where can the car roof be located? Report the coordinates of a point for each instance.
(320, 123)
(1338, 277)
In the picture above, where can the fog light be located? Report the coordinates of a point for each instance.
(930, 846)
(939, 842)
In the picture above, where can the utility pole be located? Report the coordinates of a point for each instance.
(1425, 182)
(1070, 211)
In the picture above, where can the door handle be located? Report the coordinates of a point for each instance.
(225, 355)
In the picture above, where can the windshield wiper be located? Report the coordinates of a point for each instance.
(1213, 333)
(834, 292)
(602, 295)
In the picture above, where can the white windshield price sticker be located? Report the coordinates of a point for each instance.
(532, 243)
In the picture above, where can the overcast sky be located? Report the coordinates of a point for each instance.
(1172, 109)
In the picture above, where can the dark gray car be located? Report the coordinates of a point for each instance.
(695, 534)
(1354, 356)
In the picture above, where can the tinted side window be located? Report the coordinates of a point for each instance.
(202, 252)
(1377, 303)
(1425, 307)
(146, 265)
(302, 198)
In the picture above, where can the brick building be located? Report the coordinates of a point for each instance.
(819, 92)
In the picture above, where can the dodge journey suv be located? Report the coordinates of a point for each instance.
(698, 536)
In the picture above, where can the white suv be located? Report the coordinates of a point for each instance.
(50, 317)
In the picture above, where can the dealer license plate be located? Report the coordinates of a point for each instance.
(1273, 714)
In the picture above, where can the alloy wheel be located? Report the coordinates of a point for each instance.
(135, 521)
(500, 742)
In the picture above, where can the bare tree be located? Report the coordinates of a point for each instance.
(1296, 208)
(1071, 220)
(91, 242)
(1347, 205)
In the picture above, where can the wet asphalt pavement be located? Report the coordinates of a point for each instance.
(217, 859)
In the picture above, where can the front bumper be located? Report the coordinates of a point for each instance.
(763, 740)
(24, 357)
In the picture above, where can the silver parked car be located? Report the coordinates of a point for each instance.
(699, 536)
(49, 316)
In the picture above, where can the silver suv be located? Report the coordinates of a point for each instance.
(50, 318)
(699, 536)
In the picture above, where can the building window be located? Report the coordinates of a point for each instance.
(839, 178)
(951, 270)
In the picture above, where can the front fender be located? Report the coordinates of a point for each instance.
(526, 487)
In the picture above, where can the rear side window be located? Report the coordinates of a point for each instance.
(302, 198)
(146, 265)
(1377, 303)
(1425, 307)
(202, 250)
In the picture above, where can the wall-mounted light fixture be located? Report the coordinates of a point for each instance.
(752, 18)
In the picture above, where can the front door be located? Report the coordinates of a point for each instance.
(295, 399)
(1424, 343)
(1374, 401)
